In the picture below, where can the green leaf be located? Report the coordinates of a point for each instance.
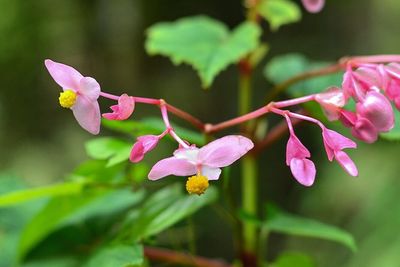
(153, 126)
(62, 211)
(115, 150)
(117, 256)
(279, 12)
(165, 208)
(293, 259)
(282, 222)
(23, 195)
(394, 134)
(202, 42)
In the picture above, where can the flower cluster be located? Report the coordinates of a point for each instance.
(367, 81)
(313, 6)
(371, 86)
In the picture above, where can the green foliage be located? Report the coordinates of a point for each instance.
(293, 259)
(108, 148)
(61, 211)
(282, 222)
(279, 12)
(165, 208)
(204, 43)
(22, 195)
(153, 126)
(117, 256)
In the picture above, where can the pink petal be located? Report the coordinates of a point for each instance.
(369, 76)
(365, 131)
(172, 166)
(295, 149)
(124, 109)
(331, 101)
(190, 154)
(313, 6)
(90, 88)
(347, 164)
(303, 171)
(337, 141)
(87, 113)
(224, 151)
(66, 76)
(378, 110)
(210, 172)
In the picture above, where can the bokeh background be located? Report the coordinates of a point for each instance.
(41, 142)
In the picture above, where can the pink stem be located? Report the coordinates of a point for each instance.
(146, 100)
(164, 114)
(109, 96)
(376, 59)
(293, 102)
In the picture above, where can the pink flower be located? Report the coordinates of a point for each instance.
(124, 109)
(313, 6)
(334, 144)
(143, 145)
(205, 161)
(80, 94)
(302, 168)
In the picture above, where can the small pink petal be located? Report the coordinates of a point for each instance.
(143, 145)
(337, 141)
(67, 77)
(303, 171)
(172, 166)
(87, 113)
(365, 131)
(378, 110)
(347, 164)
(313, 6)
(90, 88)
(123, 110)
(210, 172)
(224, 151)
(295, 149)
(331, 101)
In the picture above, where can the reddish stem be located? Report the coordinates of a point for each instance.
(178, 258)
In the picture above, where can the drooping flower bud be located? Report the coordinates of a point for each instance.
(143, 145)
(302, 168)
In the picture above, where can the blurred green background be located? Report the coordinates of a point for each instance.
(41, 142)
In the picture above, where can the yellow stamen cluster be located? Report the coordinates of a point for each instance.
(67, 98)
(197, 184)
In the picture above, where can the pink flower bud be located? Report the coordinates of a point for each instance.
(313, 6)
(378, 110)
(302, 168)
(331, 101)
(143, 145)
(124, 109)
(334, 144)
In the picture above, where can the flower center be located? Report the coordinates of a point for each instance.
(67, 98)
(197, 184)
